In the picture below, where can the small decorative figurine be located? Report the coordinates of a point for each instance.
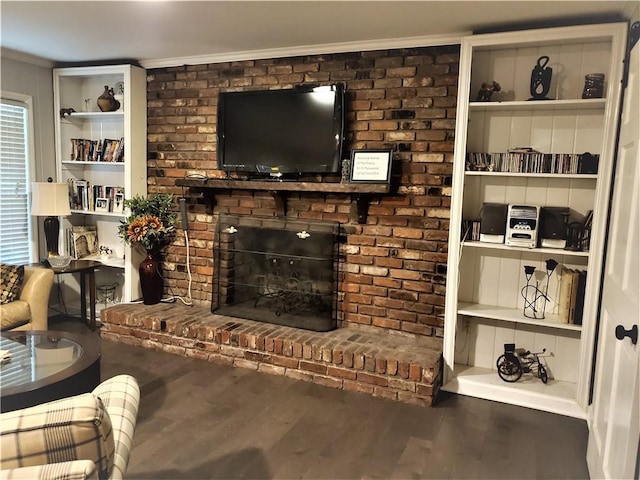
(346, 170)
(541, 79)
(516, 361)
(486, 90)
(64, 112)
(106, 102)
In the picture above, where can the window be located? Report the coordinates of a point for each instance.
(16, 230)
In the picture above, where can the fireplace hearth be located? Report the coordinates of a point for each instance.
(277, 271)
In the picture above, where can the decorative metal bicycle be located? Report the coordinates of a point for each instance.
(514, 362)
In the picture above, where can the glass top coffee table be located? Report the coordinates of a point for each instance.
(46, 365)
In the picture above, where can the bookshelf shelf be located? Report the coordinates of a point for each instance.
(502, 246)
(101, 214)
(558, 396)
(541, 105)
(115, 262)
(92, 116)
(82, 164)
(581, 176)
(513, 315)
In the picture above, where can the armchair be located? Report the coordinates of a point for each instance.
(85, 436)
(30, 311)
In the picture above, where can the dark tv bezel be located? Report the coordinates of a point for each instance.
(283, 170)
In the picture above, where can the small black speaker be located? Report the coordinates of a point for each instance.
(553, 226)
(493, 222)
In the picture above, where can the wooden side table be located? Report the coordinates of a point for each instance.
(87, 270)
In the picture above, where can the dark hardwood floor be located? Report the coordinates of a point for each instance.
(199, 420)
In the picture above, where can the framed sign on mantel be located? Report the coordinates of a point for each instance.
(371, 166)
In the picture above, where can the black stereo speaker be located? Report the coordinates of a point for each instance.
(553, 226)
(493, 222)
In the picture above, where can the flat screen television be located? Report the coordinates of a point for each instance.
(281, 133)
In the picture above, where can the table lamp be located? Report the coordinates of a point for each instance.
(51, 200)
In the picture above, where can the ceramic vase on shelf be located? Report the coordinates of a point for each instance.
(151, 281)
(107, 102)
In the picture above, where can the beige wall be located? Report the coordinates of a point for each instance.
(18, 76)
(36, 81)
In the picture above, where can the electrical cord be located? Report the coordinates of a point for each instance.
(174, 298)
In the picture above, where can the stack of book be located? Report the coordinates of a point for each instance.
(95, 198)
(107, 150)
(527, 162)
(571, 299)
(470, 230)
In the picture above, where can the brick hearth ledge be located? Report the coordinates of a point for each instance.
(361, 359)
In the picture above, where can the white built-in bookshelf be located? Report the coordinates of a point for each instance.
(484, 305)
(102, 155)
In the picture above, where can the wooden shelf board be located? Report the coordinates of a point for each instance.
(93, 164)
(555, 396)
(280, 189)
(92, 212)
(282, 186)
(513, 315)
(115, 262)
(588, 176)
(502, 246)
(95, 115)
(572, 104)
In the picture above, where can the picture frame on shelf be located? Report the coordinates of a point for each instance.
(102, 205)
(83, 241)
(118, 203)
(371, 166)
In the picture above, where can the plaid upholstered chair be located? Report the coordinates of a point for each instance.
(85, 436)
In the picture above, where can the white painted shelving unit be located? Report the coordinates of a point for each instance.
(79, 88)
(484, 307)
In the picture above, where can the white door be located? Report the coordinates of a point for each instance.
(614, 432)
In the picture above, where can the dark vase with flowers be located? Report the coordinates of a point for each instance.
(151, 225)
(151, 281)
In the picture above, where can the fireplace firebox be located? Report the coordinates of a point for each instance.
(277, 271)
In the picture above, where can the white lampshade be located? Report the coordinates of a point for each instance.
(49, 199)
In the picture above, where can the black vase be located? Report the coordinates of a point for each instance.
(151, 280)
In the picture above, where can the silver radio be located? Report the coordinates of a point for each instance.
(522, 225)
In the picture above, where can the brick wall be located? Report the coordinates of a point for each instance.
(395, 264)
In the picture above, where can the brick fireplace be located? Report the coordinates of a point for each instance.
(391, 287)
(394, 265)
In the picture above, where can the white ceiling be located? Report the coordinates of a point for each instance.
(163, 33)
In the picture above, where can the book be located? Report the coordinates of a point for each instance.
(574, 294)
(582, 284)
(118, 156)
(564, 297)
(110, 150)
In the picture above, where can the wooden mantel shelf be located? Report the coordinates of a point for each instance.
(280, 189)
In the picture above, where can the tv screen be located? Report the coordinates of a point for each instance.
(280, 132)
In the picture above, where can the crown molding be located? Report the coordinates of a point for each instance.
(25, 57)
(327, 48)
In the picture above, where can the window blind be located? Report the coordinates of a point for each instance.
(15, 230)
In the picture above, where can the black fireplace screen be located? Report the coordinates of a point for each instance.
(277, 271)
